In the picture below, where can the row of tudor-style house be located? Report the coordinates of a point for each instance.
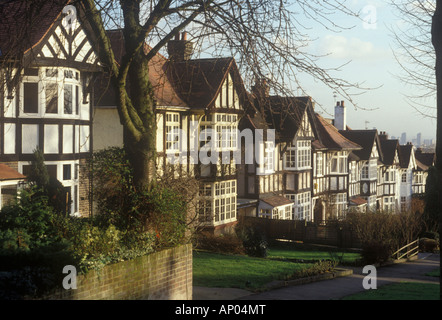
(303, 166)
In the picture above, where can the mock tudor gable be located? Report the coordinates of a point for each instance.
(47, 64)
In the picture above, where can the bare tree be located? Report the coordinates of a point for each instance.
(266, 37)
(415, 53)
(436, 37)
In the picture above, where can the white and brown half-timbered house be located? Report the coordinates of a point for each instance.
(388, 174)
(367, 161)
(47, 63)
(407, 166)
(281, 179)
(331, 176)
(424, 160)
(199, 105)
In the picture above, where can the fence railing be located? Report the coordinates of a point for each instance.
(409, 250)
(330, 233)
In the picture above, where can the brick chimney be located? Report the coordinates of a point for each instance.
(261, 88)
(180, 49)
(383, 135)
(340, 116)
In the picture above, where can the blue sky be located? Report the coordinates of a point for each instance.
(369, 48)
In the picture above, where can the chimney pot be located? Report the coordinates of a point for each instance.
(342, 103)
(180, 49)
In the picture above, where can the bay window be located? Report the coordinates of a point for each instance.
(339, 163)
(298, 157)
(217, 202)
(50, 92)
(339, 202)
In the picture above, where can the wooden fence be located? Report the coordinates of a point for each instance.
(329, 233)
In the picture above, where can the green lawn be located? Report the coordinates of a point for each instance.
(434, 273)
(285, 252)
(235, 271)
(400, 291)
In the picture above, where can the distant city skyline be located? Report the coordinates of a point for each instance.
(370, 53)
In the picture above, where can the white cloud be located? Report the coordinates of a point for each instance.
(340, 47)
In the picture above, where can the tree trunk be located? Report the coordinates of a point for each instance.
(436, 38)
(141, 150)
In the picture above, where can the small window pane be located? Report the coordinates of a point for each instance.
(68, 99)
(30, 98)
(66, 172)
(51, 98)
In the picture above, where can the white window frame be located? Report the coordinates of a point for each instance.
(303, 206)
(63, 76)
(319, 168)
(223, 202)
(340, 204)
(338, 163)
(226, 129)
(269, 157)
(172, 132)
(404, 177)
(298, 157)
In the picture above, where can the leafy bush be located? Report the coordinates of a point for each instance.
(430, 235)
(317, 268)
(46, 185)
(226, 243)
(33, 272)
(375, 252)
(254, 241)
(160, 210)
(96, 246)
(37, 241)
(381, 233)
(428, 245)
(28, 222)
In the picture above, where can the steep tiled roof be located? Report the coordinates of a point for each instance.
(23, 24)
(199, 81)
(424, 160)
(364, 138)
(7, 173)
(193, 83)
(330, 138)
(389, 148)
(405, 155)
(284, 114)
(165, 93)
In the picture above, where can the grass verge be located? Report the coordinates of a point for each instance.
(238, 271)
(400, 291)
(300, 254)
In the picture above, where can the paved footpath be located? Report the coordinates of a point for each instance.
(412, 271)
(335, 288)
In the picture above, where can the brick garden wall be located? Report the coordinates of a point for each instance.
(164, 275)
